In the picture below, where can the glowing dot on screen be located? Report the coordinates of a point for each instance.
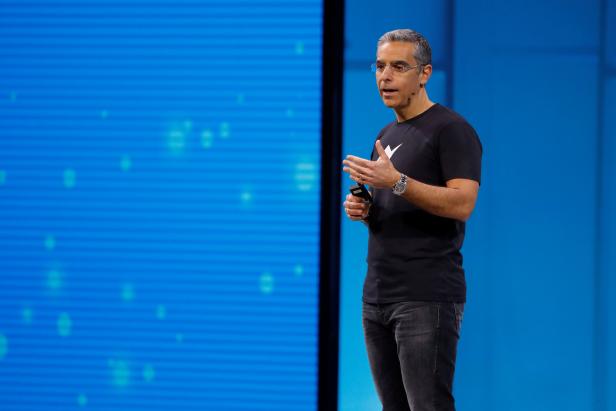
(125, 162)
(179, 337)
(161, 312)
(299, 48)
(224, 130)
(50, 242)
(120, 372)
(2, 177)
(64, 325)
(298, 270)
(82, 400)
(188, 124)
(12, 96)
(4, 346)
(104, 114)
(305, 176)
(240, 98)
(26, 315)
(69, 178)
(207, 138)
(148, 373)
(246, 196)
(266, 283)
(54, 279)
(128, 292)
(176, 140)
(290, 113)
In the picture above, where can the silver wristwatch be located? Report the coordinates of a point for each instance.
(400, 185)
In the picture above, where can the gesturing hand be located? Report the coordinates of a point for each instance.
(378, 174)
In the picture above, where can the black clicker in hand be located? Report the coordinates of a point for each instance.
(360, 190)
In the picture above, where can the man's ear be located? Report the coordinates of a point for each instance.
(426, 72)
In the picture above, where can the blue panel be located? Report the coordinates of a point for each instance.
(608, 245)
(366, 22)
(540, 24)
(542, 224)
(474, 74)
(475, 371)
(159, 191)
(437, 86)
(610, 35)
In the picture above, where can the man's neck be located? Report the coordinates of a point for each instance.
(417, 106)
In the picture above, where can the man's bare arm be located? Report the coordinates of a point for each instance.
(456, 200)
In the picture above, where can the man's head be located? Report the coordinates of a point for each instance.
(403, 67)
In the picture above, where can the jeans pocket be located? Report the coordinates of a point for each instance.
(415, 319)
(369, 312)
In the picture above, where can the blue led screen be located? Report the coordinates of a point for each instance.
(159, 191)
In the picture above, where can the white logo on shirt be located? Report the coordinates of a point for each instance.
(391, 152)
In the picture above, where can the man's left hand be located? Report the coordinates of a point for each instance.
(378, 174)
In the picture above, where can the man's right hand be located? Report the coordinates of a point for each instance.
(356, 208)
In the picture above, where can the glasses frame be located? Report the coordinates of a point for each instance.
(407, 68)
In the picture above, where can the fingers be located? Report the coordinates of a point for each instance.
(350, 159)
(383, 157)
(358, 173)
(355, 214)
(354, 176)
(357, 168)
(359, 178)
(355, 199)
(355, 207)
(380, 150)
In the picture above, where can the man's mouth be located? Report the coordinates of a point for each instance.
(389, 91)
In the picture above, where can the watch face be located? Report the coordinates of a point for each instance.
(400, 185)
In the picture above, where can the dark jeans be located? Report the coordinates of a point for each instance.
(412, 352)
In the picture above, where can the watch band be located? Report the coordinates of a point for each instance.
(400, 186)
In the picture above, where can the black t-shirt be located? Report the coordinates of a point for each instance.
(414, 255)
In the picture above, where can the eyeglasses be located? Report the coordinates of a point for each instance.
(397, 67)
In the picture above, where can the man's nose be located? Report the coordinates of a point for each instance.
(387, 72)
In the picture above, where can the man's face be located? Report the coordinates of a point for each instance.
(398, 89)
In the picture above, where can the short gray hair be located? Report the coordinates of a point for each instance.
(423, 52)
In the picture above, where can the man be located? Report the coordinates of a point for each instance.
(424, 175)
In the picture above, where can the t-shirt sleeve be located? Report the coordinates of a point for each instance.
(460, 152)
